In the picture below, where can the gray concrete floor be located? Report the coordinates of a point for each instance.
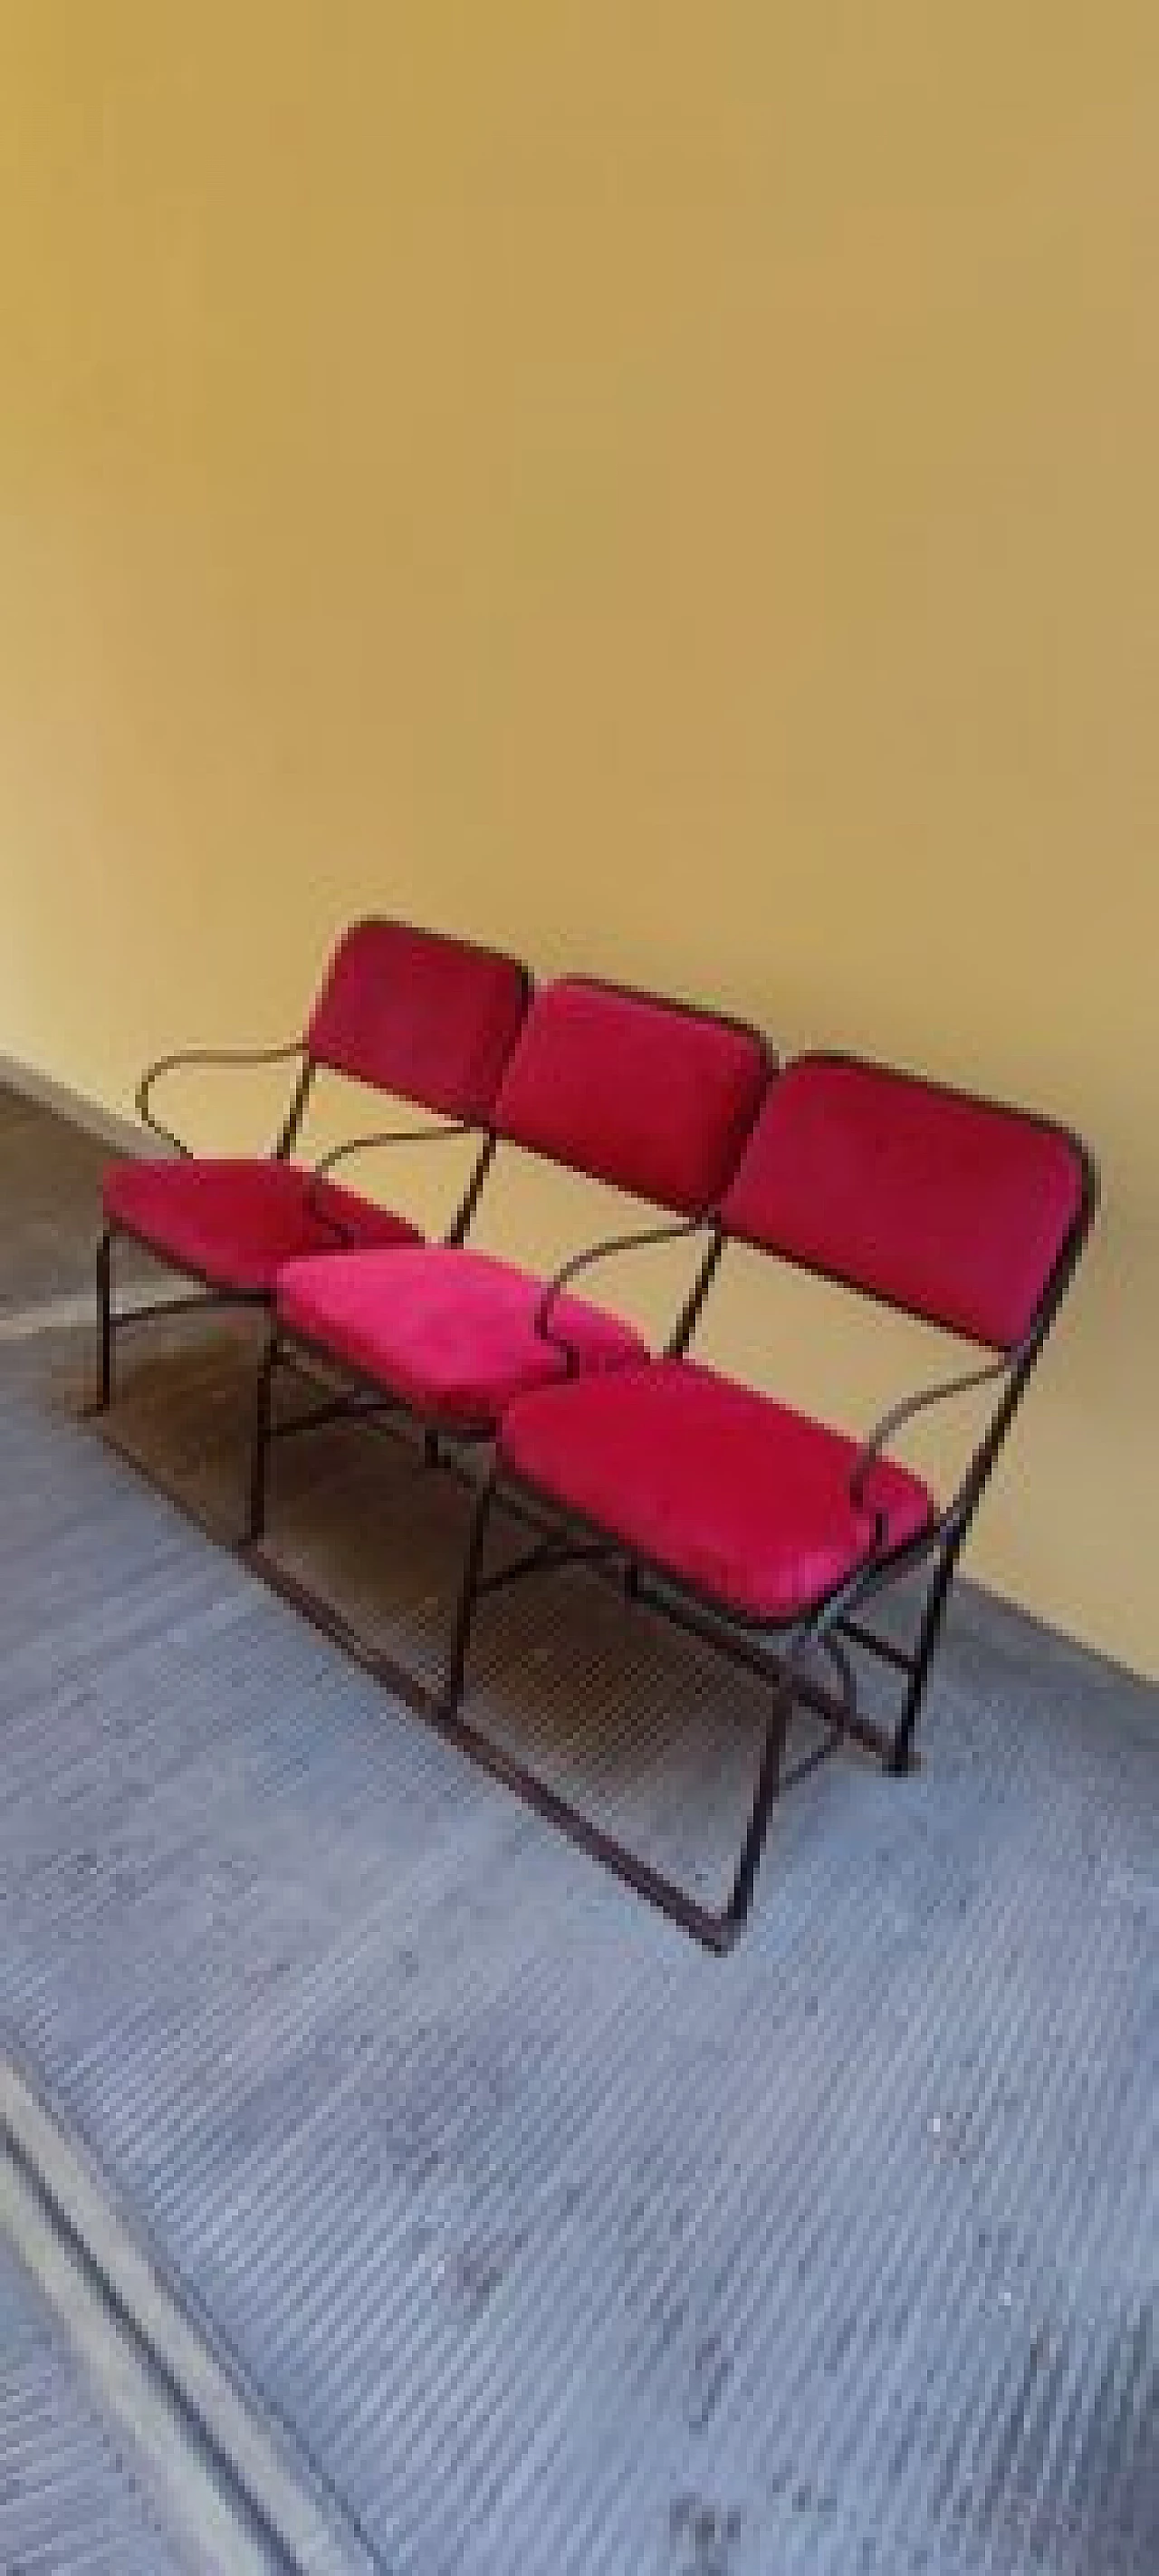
(539, 2240)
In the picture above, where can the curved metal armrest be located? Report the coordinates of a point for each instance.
(202, 1056)
(670, 1232)
(390, 1136)
(328, 1217)
(877, 1440)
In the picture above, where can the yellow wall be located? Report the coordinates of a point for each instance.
(672, 486)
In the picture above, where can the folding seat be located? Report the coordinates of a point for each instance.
(647, 1095)
(412, 1014)
(763, 1527)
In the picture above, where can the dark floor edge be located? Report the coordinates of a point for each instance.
(274, 2490)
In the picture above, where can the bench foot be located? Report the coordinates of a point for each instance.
(715, 1930)
(452, 1690)
(105, 1309)
(767, 1791)
(256, 1516)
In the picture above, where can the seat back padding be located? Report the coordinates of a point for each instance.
(952, 1208)
(646, 1094)
(429, 1018)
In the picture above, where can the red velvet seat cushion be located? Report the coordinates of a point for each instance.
(450, 1331)
(640, 1092)
(233, 1223)
(950, 1207)
(729, 1492)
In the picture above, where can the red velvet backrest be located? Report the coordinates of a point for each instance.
(646, 1094)
(952, 1208)
(429, 1018)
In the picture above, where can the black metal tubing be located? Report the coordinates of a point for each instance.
(449, 1130)
(292, 1121)
(338, 1408)
(666, 1232)
(443, 1133)
(212, 1294)
(157, 1309)
(877, 1440)
(201, 1057)
(715, 1932)
(105, 1311)
(545, 1558)
(957, 1521)
(256, 1515)
(460, 1225)
(355, 1399)
(640, 1238)
(686, 1322)
(872, 1643)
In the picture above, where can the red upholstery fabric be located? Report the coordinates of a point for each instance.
(452, 1332)
(653, 1098)
(727, 1491)
(431, 1019)
(946, 1206)
(233, 1223)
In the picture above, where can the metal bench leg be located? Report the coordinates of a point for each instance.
(104, 1304)
(901, 1748)
(768, 1785)
(452, 1690)
(255, 1525)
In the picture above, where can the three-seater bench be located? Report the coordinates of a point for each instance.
(759, 1527)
